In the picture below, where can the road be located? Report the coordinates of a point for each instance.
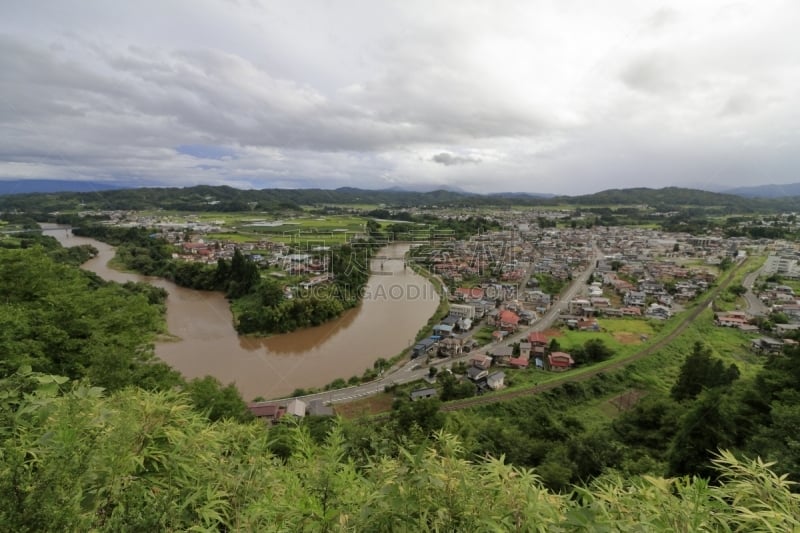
(754, 305)
(413, 371)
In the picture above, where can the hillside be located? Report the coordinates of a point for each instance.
(767, 191)
(224, 198)
(52, 186)
(144, 461)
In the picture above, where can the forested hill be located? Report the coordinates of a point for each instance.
(668, 196)
(224, 198)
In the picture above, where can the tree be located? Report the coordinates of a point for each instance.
(217, 402)
(701, 371)
(373, 228)
(737, 290)
(422, 415)
(271, 292)
(452, 389)
(595, 350)
(75, 459)
(706, 427)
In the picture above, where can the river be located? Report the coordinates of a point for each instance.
(397, 303)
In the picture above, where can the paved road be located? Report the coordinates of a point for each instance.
(754, 306)
(413, 371)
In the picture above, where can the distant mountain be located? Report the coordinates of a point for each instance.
(225, 198)
(425, 188)
(520, 195)
(52, 186)
(767, 191)
(668, 196)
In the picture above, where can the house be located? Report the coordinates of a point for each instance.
(525, 350)
(480, 361)
(475, 373)
(462, 311)
(588, 325)
(296, 407)
(509, 320)
(631, 311)
(469, 293)
(537, 339)
(578, 305)
(658, 311)
(502, 354)
(423, 347)
(560, 361)
(766, 345)
(783, 329)
(464, 324)
(527, 317)
(442, 330)
(731, 320)
(635, 298)
(496, 380)
(421, 394)
(518, 362)
(450, 320)
(267, 412)
(450, 347)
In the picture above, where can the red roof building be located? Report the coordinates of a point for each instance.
(269, 412)
(518, 362)
(509, 319)
(470, 293)
(560, 361)
(536, 338)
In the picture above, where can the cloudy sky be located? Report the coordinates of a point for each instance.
(555, 97)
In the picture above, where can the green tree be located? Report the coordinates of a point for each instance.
(700, 371)
(706, 427)
(215, 401)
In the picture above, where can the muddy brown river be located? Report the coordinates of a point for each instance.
(397, 303)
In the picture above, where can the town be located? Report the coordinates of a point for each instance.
(502, 286)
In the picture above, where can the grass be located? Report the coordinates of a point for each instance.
(371, 405)
(302, 231)
(484, 335)
(624, 336)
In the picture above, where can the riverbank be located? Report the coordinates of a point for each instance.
(384, 324)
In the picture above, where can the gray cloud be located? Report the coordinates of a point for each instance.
(652, 73)
(551, 99)
(448, 159)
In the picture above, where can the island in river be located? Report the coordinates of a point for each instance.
(397, 303)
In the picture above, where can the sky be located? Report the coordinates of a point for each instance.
(561, 97)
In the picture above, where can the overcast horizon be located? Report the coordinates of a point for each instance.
(560, 98)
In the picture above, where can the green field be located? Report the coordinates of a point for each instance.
(303, 231)
(623, 335)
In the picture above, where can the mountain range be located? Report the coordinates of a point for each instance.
(55, 186)
(52, 186)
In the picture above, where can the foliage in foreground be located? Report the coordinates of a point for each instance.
(139, 460)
